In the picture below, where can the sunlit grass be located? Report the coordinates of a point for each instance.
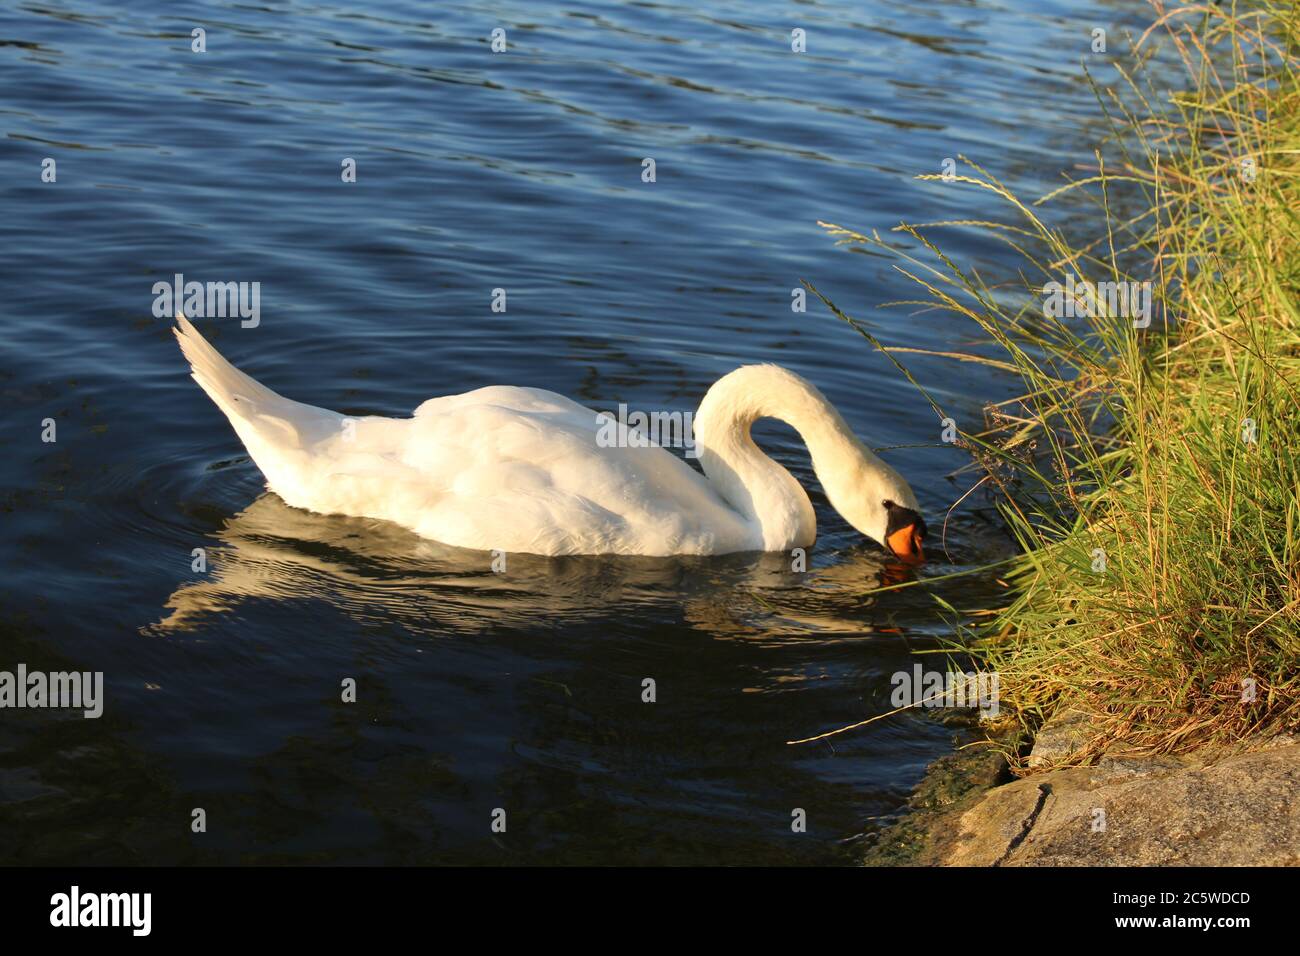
(1171, 453)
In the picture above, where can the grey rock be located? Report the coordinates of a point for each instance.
(1241, 810)
(1059, 739)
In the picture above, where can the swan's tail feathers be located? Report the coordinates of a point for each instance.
(254, 410)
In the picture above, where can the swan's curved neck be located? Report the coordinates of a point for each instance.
(760, 489)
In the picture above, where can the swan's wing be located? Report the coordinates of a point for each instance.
(503, 396)
(519, 470)
(524, 470)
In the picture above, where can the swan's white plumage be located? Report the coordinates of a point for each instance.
(521, 470)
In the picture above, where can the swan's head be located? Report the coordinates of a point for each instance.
(904, 532)
(881, 506)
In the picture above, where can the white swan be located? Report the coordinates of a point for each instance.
(521, 469)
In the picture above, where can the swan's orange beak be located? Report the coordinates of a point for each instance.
(906, 545)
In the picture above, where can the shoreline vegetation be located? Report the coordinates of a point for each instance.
(1149, 471)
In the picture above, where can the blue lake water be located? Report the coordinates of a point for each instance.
(477, 171)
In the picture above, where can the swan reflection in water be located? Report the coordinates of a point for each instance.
(376, 571)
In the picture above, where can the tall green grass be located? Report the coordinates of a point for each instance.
(1171, 453)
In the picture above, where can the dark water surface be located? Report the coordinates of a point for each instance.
(476, 171)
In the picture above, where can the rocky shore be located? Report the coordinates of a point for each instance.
(1239, 808)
